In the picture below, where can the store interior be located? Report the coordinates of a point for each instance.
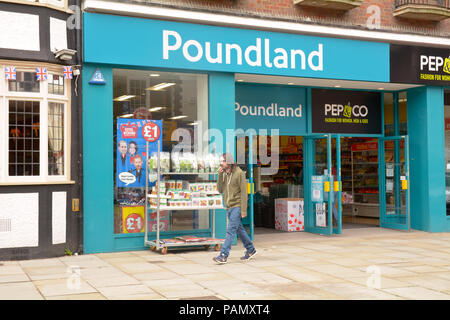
(359, 172)
(181, 101)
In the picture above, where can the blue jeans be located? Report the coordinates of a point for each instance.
(235, 227)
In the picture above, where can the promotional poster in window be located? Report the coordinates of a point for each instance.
(132, 135)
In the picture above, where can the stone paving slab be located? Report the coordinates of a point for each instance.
(365, 263)
(19, 291)
(57, 287)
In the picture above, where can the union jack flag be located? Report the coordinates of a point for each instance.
(10, 73)
(41, 73)
(68, 72)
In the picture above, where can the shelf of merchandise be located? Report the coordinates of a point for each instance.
(364, 203)
(161, 244)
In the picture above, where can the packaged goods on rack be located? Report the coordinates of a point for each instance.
(203, 202)
(218, 201)
(200, 163)
(216, 163)
(175, 162)
(184, 162)
(162, 201)
(164, 164)
(181, 193)
(196, 202)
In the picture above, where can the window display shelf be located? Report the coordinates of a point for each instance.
(178, 194)
(183, 173)
(184, 208)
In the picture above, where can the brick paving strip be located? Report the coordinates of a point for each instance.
(364, 263)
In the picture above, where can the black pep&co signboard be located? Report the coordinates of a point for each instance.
(419, 65)
(340, 111)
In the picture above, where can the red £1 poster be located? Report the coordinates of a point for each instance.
(151, 131)
(133, 219)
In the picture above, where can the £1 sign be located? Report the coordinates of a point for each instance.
(134, 223)
(151, 132)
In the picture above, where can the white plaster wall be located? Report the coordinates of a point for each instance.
(23, 211)
(58, 34)
(19, 31)
(59, 200)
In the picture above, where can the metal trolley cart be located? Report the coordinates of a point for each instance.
(162, 244)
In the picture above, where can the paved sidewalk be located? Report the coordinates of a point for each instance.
(363, 263)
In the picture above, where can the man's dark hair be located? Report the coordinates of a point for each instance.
(229, 159)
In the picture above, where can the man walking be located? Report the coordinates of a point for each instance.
(232, 184)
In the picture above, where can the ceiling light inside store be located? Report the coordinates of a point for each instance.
(240, 80)
(177, 117)
(123, 98)
(154, 75)
(380, 88)
(156, 109)
(337, 86)
(161, 86)
(290, 83)
(126, 115)
(193, 123)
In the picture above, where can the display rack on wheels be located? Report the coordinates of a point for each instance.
(162, 245)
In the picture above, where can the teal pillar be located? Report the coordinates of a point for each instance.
(427, 158)
(221, 119)
(98, 162)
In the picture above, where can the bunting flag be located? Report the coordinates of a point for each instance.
(41, 73)
(67, 72)
(10, 73)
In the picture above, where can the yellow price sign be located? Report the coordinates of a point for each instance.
(336, 186)
(249, 185)
(404, 184)
(326, 186)
(133, 219)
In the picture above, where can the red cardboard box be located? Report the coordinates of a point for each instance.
(289, 214)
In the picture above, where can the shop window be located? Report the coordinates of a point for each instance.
(180, 100)
(34, 141)
(23, 138)
(25, 82)
(447, 148)
(55, 84)
(55, 138)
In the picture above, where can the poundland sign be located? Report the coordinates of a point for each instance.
(270, 111)
(167, 44)
(260, 106)
(255, 55)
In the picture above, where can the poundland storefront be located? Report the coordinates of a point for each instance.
(207, 82)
